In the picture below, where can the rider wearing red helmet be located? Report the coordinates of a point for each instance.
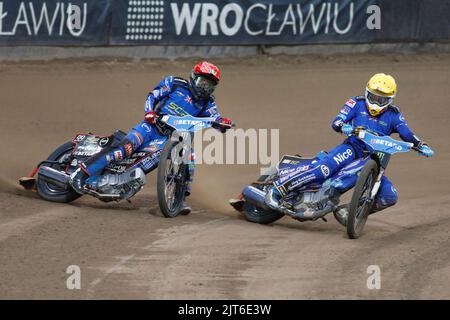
(174, 96)
(203, 80)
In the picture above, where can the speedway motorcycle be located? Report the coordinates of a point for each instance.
(316, 201)
(122, 179)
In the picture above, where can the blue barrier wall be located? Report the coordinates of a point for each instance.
(217, 22)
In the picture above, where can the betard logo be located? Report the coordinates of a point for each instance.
(272, 19)
(189, 122)
(385, 143)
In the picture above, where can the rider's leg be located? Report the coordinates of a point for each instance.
(316, 172)
(191, 171)
(386, 197)
(141, 133)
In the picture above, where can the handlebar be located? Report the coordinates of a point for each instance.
(217, 123)
(165, 119)
(359, 133)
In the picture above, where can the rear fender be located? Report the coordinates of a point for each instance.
(289, 163)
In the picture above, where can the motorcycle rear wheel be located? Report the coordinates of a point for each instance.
(258, 215)
(50, 192)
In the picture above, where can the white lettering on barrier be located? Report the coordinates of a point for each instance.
(35, 19)
(239, 14)
(212, 19)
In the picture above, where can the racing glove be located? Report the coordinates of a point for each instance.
(151, 117)
(347, 129)
(224, 124)
(425, 150)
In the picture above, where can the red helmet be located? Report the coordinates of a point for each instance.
(204, 78)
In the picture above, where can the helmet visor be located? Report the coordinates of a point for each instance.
(377, 99)
(204, 85)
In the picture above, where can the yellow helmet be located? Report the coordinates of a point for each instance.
(380, 92)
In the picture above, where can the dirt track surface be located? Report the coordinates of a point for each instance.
(131, 251)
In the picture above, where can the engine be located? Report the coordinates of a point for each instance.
(122, 186)
(312, 205)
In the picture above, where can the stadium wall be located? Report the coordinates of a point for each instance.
(174, 28)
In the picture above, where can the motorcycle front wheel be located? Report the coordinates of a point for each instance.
(171, 178)
(361, 203)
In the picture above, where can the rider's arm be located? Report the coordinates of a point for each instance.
(211, 111)
(346, 114)
(401, 127)
(162, 90)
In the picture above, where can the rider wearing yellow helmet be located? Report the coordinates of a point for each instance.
(374, 111)
(380, 92)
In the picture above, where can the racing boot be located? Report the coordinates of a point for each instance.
(78, 180)
(185, 209)
(273, 198)
(341, 214)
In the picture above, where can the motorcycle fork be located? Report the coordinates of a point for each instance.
(377, 184)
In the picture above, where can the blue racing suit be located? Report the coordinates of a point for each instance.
(171, 96)
(353, 112)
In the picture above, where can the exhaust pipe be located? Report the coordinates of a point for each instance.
(55, 177)
(255, 197)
